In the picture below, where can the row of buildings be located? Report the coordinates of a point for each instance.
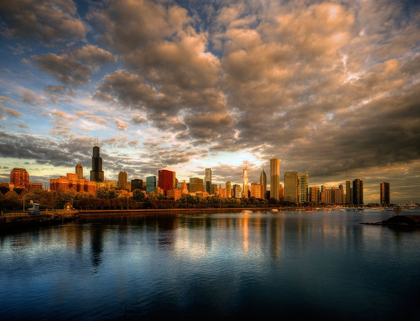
(296, 186)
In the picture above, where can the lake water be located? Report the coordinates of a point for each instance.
(206, 265)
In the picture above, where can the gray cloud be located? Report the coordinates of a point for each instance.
(76, 66)
(47, 21)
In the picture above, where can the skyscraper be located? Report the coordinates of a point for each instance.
(256, 190)
(136, 184)
(166, 180)
(263, 183)
(348, 192)
(358, 191)
(96, 174)
(303, 187)
(79, 171)
(122, 180)
(228, 189)
(196, 185)
(314, 194)
(385, 190)
(245, 182)
(274, 178)
(150, 184)
(208, 180)
(291, 187)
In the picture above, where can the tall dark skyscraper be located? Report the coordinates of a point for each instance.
(96, 174)
(208, 180)
(358, 191)
(385, 194)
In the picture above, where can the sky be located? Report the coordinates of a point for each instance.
(332, 89)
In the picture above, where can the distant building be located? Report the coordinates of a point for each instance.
(303, 188)
(208, 177)
(348, 192)
(263, 183)
(385, 191)
(122, 180)
(281, 192)
(358, 192)
(136, 184)
(291, 187)
(96, 174)
(314, 194)
(150, 184)
(79, 171)
(237, 191)
(72, 182)
(196, 185)
(256, 190)
(214, 190)
(166, 180)
(274, 178)
(228, 189)
(19, 177)
(245, 182)
(175, 193)
(184, 188)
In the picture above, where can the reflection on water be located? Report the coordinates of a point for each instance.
(302, 264)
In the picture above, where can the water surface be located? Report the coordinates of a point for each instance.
(319, 264)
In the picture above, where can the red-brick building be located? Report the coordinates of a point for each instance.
(19, 177)
(166, 180)
(72, 182)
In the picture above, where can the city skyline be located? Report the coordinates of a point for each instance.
(331, 89)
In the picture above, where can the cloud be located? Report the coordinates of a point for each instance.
(75, 67)
(30, 97)
(22, 126)
(138, 119)
(46, 21)
(121, 124)
(9, 111)
(61, 114)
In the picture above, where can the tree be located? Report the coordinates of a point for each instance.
(138, 195)
(48, 199)
(102, 192)
(12, 200)
(112, 194)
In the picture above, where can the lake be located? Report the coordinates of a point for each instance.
(288, 264)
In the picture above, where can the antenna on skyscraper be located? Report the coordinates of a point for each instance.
(96, 142)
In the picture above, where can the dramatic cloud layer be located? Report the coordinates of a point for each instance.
(329, 87)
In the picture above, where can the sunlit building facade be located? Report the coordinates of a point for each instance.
(122, 180)
(303, 188)
(196, 185)
(256, 190)
(166, 180)
(245, 187)
(291, 187)
(72, 182)
(274, 178)
(19, 177)
(228, 189)
(79, 171)
(263, 183)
